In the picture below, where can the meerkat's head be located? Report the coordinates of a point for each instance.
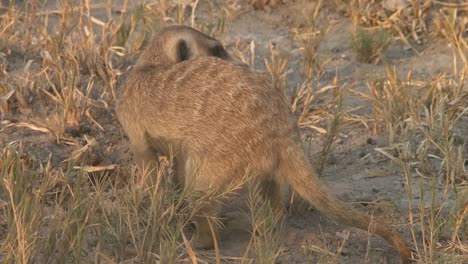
(178, 43)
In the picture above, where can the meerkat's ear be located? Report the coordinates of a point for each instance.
(219, 51)
(183, 51)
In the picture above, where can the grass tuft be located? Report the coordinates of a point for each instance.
(370, 46)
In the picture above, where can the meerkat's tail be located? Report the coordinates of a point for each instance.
(299, 173)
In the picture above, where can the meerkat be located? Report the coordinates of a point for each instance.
(223, 120)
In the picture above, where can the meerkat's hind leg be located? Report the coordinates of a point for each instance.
(199, 174)
(174, 153)
(206, 230)
(146, 150)
(277, 193)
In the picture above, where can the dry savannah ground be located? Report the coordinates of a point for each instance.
(377, 86)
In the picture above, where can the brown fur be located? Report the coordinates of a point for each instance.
(223, 119)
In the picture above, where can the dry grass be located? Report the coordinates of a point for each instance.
(370, 46)
(60, 70)
(267, 227)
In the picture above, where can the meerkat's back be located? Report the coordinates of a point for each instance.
(214, 106)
